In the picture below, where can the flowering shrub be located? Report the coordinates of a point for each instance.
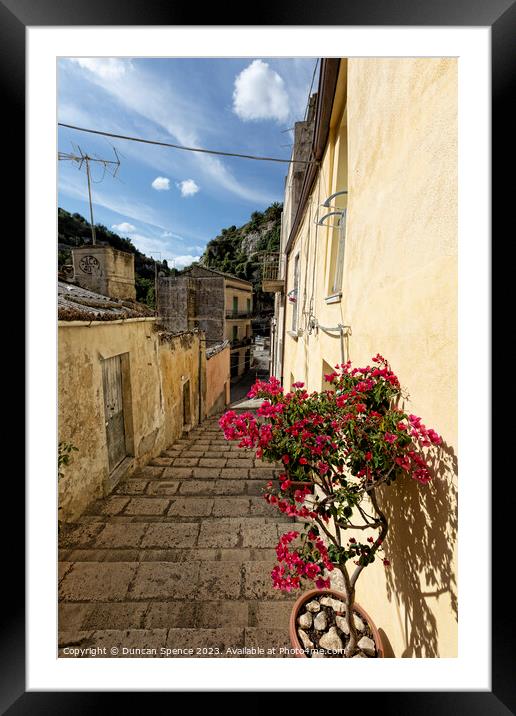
(348, 441)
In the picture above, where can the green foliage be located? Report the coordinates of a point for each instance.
(75, 230)
(145, 292)
(64, 456)
(227, 252)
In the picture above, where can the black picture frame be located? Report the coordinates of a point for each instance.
(500, 16)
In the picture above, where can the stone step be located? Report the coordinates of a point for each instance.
(240, 472)
(259, 533)
(121, 554)
(195, 581)
(174, 614)
(226, 642)
(183, 505)
(126, 519)
(219, 487)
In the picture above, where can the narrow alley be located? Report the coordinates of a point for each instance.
(178, 558)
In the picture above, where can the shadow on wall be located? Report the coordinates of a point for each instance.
(420, 546)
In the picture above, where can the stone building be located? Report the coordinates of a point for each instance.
(217, 303)
(105, 270)
(127, 390)
(368, 265)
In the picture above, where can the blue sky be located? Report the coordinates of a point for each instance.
(170, 202)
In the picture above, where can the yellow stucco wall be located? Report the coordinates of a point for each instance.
(156, 369)
(399, 296)
(242, 291)
(217, 381)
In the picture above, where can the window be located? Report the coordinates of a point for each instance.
(293, 295)
(337, 255)
(248, 305)
(337, 236)
(235, 333)
(235, 304)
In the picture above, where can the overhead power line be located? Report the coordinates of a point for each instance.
(187, 149)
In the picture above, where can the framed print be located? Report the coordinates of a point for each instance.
(195, 370)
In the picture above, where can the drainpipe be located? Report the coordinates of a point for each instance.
(284, 317)
(272, 348)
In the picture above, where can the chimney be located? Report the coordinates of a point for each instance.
(105, 270)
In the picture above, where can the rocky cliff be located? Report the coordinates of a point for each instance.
(237, 250)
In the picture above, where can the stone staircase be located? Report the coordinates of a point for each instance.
(177, 561)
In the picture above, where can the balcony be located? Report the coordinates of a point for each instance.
(272, 271)
(238, 315)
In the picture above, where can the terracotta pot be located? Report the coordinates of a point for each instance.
(311, 594)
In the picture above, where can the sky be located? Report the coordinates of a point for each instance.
(169, 202)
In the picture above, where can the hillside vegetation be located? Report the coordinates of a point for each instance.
(74, 230)
(236, 250)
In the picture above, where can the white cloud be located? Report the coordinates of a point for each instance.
(107, 68)
(72, 184)
(153, 101)
(260, 93)
(161, 184)
(124, 227)
(182, 261)
(166, 235)
(188, 187)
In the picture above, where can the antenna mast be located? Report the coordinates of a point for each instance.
(111, 166)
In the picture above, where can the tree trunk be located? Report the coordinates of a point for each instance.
(350, 619)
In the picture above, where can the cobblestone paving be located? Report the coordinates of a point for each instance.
(177, 559)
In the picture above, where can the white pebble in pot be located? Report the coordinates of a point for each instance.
(320, 621)
(331, 640)
(335, 604)
(313, 606)
(305, 639)
(367, 646)
(305, 621)
(342, 624)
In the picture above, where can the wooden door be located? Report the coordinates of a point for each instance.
(114, 410)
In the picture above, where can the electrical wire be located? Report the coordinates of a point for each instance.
(187, 149)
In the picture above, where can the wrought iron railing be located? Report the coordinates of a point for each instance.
(272, 266)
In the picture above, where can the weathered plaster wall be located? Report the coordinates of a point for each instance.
(217, 382)
(173, 300)
(105, 270)
(189, 302)
(155, 369)
(399, 296)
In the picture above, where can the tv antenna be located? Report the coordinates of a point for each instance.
(79, 157)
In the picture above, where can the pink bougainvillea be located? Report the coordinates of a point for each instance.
(347, 441)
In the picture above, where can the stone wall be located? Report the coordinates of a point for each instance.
(105, 270)
(155, 368)
(188, 302)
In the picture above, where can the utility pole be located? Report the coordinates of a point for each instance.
(110, 166)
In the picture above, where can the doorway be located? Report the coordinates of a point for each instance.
(114, 410)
